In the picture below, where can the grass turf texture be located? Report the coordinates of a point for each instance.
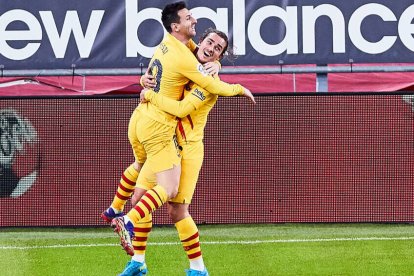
(277, 249)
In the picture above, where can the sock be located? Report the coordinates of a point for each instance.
(125, 189)
(139, 242)
(149, 202)
(188, 233)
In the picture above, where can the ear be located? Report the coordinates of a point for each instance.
(175, 27)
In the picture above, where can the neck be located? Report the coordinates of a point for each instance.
(184, 39)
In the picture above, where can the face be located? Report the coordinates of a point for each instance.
(186, 27)
(211, 48)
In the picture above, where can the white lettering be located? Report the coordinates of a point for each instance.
(354, 28)
(219, 18)
(72, 24)
(58, 42)
(134, 47)
(406, 28)
(289, 43)
(34, 32)
(134, 18)
(310, 15)
(239, 27)
(23, 43)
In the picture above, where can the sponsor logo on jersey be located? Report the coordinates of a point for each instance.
(199, 94)
(200, 68)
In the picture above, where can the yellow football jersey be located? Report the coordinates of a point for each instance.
(193, 124)
(193, 110)
(172, 66)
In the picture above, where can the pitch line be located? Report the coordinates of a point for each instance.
(215, 242)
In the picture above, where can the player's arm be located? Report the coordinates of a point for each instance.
(212, 68)
(147, 80)
(181, 108)
(196, 73)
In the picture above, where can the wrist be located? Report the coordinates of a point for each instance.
(148, 94)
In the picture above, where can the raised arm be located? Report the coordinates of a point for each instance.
(194, 71)
(177, 108)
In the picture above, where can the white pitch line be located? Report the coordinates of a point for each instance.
(216, 242)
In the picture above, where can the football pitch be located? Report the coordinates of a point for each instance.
(269, 249)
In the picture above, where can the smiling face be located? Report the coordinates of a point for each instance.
(211, 48)
(186, 26)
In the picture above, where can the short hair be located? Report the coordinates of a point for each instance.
(169, 14)
(227, 50)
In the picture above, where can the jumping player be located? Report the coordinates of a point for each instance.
(151, 130)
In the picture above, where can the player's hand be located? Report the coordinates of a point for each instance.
(212, 68)
(249, 95)
(147, 81)
(142, 96)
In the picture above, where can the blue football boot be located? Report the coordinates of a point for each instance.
(192, 272)
(134, 268)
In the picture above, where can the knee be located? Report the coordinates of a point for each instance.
(138, 193)
(177, 211)
(134, 200)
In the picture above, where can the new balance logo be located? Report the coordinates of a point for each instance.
(199, 94)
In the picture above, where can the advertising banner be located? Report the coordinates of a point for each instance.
(301, 158)
(58, 34)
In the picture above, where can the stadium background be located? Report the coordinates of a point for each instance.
(341, 156)
(301, 158)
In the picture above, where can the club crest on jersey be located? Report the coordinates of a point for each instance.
(18, 161)
(199, 94)
(200, 68)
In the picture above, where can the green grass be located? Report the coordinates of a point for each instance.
(277, 249)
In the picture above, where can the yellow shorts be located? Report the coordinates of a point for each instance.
(153, 142)
(137, 147)
(191, 163)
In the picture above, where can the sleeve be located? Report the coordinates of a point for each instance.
(194, 71)
(177, 108)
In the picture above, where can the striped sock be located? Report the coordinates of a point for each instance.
(125, 189)
(139, 242)
(149, 202)
(188, 233)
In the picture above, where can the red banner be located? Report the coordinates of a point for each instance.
(288, 159)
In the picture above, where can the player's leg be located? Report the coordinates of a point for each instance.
(143, 229)
(137, 265)
(178, 209)
(189, 237)
(167, 184)
(163, 159)
(124, 191)
(134, 237)
(129, 177)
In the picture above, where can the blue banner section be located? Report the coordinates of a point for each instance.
(49, 34)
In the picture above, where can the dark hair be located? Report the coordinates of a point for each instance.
(228, 50)
(170, 14)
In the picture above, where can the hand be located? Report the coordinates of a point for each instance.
(249, 95)
(212, 68)
(147, 81)
(142, 95)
